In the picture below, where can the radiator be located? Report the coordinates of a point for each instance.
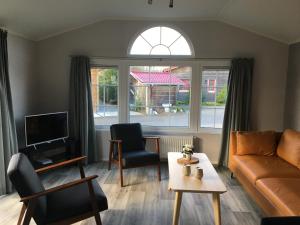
(172, 144)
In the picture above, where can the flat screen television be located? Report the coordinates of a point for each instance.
(44, 128)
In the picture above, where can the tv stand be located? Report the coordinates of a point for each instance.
(35, 153)
(44, 161)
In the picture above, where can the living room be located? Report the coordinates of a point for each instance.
(174, 93)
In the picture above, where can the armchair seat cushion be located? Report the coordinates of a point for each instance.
(139, 158)
(73, 201)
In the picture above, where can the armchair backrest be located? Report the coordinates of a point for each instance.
(26, 182)
(130, 134)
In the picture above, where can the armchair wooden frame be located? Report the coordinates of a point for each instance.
(119, 161)
(29, 202)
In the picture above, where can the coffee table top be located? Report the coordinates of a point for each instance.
(210, 182)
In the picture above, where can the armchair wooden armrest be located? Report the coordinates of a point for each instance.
(58, 188)
(61, 164)
(156, 141)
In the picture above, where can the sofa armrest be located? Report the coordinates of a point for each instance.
(232, 149)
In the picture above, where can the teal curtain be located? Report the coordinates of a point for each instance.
(238, 104)
(8, 136)
(82, 127)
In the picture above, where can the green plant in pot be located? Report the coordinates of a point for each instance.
(187, 151)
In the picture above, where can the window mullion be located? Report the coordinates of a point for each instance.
(123, 93)
(194, 99)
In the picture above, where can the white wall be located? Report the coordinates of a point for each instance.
(210, 40)
(22, 64)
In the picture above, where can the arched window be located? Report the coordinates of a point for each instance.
(160, 41)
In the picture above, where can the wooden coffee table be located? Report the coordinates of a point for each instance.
(210, 183)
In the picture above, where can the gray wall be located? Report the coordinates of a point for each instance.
(210, 40)
(21, 57)
(292, 107)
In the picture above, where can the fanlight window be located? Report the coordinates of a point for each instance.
(160, 41)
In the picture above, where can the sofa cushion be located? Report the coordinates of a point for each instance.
(256, 143)
(289, 147)
(282, 192)
(257, 167)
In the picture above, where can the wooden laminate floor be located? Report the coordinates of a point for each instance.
(145, 201)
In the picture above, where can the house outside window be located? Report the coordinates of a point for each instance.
(213, 97)
(160, 95)
(211, 85)
(105, 95)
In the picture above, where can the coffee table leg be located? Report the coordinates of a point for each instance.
(178, 198)
(217, 209)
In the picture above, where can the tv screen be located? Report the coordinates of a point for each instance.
(46, 127)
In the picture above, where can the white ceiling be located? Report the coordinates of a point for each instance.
(39, 19)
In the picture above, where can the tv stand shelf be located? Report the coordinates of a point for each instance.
(34, 152)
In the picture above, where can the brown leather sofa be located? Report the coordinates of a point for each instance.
(271, 179)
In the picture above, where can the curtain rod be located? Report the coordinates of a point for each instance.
(151, 58)
(3, 28)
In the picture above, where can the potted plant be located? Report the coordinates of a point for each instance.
(187, 151)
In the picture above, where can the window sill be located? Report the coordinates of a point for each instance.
(169, 131)
(210, 130)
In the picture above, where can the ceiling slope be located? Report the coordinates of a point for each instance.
(36, 19)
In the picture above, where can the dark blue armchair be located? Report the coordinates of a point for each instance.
(127, 148)
(64, 204)
(287, 220)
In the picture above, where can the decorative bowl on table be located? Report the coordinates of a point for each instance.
(187, 151)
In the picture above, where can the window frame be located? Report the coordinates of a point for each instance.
(175, 57)
(197, 65)
(108, 67)
(211, 65)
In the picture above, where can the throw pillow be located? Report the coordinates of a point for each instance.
(289, 147)
(256, 143)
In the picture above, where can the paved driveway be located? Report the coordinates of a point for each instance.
(210, 117)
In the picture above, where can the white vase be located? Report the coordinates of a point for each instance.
(188, 156)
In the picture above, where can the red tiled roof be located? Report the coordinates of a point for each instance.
(187, 83)
(157, 78)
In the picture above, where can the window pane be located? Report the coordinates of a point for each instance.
(160, 41)
(105, 95)
(160, 50)
(152, 35)
(207, 116)
(180, 47)
(160, 95)
(219, 116)
(213, 97)
(140, 47)
(168, 36)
